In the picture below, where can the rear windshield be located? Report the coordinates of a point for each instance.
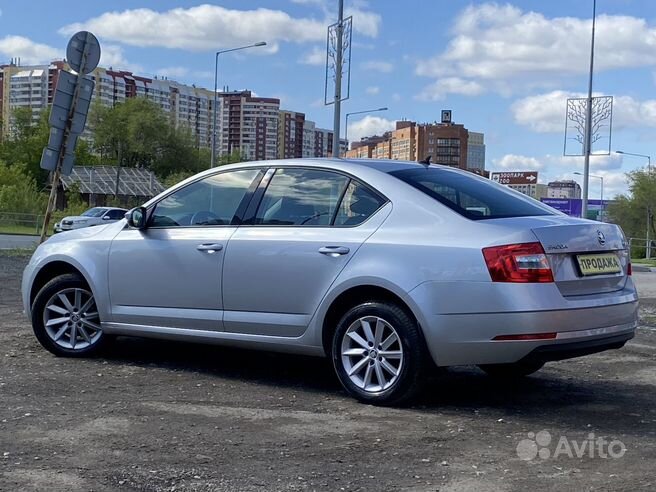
(473, 197)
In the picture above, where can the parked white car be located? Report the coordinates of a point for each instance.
(92, 217)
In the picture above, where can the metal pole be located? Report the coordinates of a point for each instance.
(346, 130)
(56, 175)
(588, 120)
(602, 198)
(648, 249)
(216, 69)
(338, 80)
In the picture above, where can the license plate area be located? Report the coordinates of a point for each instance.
(598, 264)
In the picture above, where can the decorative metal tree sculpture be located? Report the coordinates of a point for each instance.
(602, 120)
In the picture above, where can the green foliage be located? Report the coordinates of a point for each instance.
(26, 143)
(630, 211)
(18, 191)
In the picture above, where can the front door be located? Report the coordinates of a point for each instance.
(169, 274)
(309, 224)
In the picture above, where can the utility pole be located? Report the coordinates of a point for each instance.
(338, 80)
(588, 120)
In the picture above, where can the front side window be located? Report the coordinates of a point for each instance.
(471, 196)
(211, 201)
(301, 197)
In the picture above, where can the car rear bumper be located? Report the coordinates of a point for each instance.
(468, 338)
(569, 350)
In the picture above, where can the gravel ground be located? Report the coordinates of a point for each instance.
(163, 416)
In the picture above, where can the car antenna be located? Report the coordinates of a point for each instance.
(426, 161)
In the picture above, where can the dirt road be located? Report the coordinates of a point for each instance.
(158, 416)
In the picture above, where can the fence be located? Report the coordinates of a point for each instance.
(639, 247)
(20, 223)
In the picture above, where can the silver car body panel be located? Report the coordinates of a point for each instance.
(269, 287)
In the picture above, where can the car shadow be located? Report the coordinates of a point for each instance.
(552, 395)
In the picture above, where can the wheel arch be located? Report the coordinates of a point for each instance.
(51, 270)
(354, 295)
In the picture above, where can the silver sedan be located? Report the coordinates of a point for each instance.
(388, 268)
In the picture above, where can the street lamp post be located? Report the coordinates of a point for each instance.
(216, 80)
(601, 178)
(647, 238)
(587, 145)
(359, 112)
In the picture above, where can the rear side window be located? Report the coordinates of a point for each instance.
(359, 203)
(473, 197)
(301, 197)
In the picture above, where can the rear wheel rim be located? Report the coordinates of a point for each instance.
(372, 354)
(70, 319)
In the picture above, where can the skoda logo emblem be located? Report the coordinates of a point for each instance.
(601, 238)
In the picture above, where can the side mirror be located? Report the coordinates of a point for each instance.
(106, 217)
(137, 217)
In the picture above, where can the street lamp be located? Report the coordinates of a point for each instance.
(601, 178)
(647, 239)
(638, 155)
(216, 73)
(359, 112)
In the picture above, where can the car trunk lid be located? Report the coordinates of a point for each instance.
(586, 257)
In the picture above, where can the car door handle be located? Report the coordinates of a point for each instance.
(209, 247)
(334, 250)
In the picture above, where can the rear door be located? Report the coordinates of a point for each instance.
(306, 227)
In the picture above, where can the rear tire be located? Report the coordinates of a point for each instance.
(379, 354)
(65, 318)
(514, 370)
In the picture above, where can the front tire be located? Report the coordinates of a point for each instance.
(513, 370)
(65, 318)
(379, 354)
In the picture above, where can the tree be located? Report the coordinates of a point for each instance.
(25, 143)
(630, 211)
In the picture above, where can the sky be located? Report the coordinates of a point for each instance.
(504, 68)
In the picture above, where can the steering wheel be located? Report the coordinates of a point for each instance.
(205, 215)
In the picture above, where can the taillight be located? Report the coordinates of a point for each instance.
(523, 263)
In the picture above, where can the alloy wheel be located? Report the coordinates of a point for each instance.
(372, 354)
(70, 318)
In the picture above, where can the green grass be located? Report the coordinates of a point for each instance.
(643, 261)
(17, 252)
(17, 229)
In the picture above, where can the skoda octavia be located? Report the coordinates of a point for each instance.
(389, 268)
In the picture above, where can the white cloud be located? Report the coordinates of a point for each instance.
(517, 163)
(27, 50)
(173, 72)
(507, 47)
(317, 56)
(545, 113)
(377, 66)
(396, 97)
(113, 56)
(372, 90)
(441, 88)
(208, 27)
(553, 167)
(368, 126)
(598, 162)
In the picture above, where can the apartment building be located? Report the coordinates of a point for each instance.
(476, 151)
(248, 124)
(290, 134)
(445, 143)
(254, 125)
